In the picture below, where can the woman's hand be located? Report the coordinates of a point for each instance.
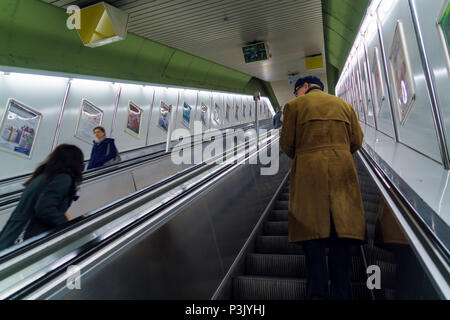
(68, 216)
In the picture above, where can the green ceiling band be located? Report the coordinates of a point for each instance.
(33, 35)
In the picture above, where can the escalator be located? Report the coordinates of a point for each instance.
(271, 268)
(219, 233)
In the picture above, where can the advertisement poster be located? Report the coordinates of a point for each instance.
(216, 115)
(19, 128)
(164, 116)
(203, 114)
(243, 110)
(134, 120)
(90, 117)
(227, 113)
(236, 113)
(187, 109)
(378, 85)
(401, 72)
(360, 94)
(367, 90)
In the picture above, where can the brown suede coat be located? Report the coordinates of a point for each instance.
(319, 132)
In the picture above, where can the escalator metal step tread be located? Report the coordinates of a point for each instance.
(270, 288)
(388, 272)
(370, 231)
(278, 215)
(277, 245)
(291, 266)
(280, 245)
(282, 205)
(275, 228)
(370, 197)
(376, 253)
(371, 217)
(283, 197)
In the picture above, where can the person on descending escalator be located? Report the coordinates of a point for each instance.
(46, 197)
(320, 132)
(104, 151)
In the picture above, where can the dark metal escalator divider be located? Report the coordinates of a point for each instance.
(224, 291)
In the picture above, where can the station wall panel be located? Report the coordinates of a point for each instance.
(142, 97)
(418, 131)
(102, 94)
(42, 94)
(380, 94)
(430, 14)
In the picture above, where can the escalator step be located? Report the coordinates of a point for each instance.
(282, 265)
(284, 197)
(280, 245)
(371, 197)
(370, 231)
(275, 228)
(376, 253)
(387, 274)
(371, 217)
(277, 245)
(282, 205)
(278, 215)
(269, 288)
(370, 206)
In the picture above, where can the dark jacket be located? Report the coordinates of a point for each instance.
(277, 123)
(320, 132)
(43, 201)
(101, 153)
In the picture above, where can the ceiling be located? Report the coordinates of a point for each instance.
(218, 29)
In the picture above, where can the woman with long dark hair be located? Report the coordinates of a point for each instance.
(46, 197)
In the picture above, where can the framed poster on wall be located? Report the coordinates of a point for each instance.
(19, 128)
(401, 72)
(89, 118)
(203, 113)
(378, 87)
(134, 120)
(164, 116)
(367, 92)
(216, 114)
(187, 109)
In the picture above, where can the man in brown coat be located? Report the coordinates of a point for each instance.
(320, 132)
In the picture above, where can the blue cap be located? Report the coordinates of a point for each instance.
(308, 79)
